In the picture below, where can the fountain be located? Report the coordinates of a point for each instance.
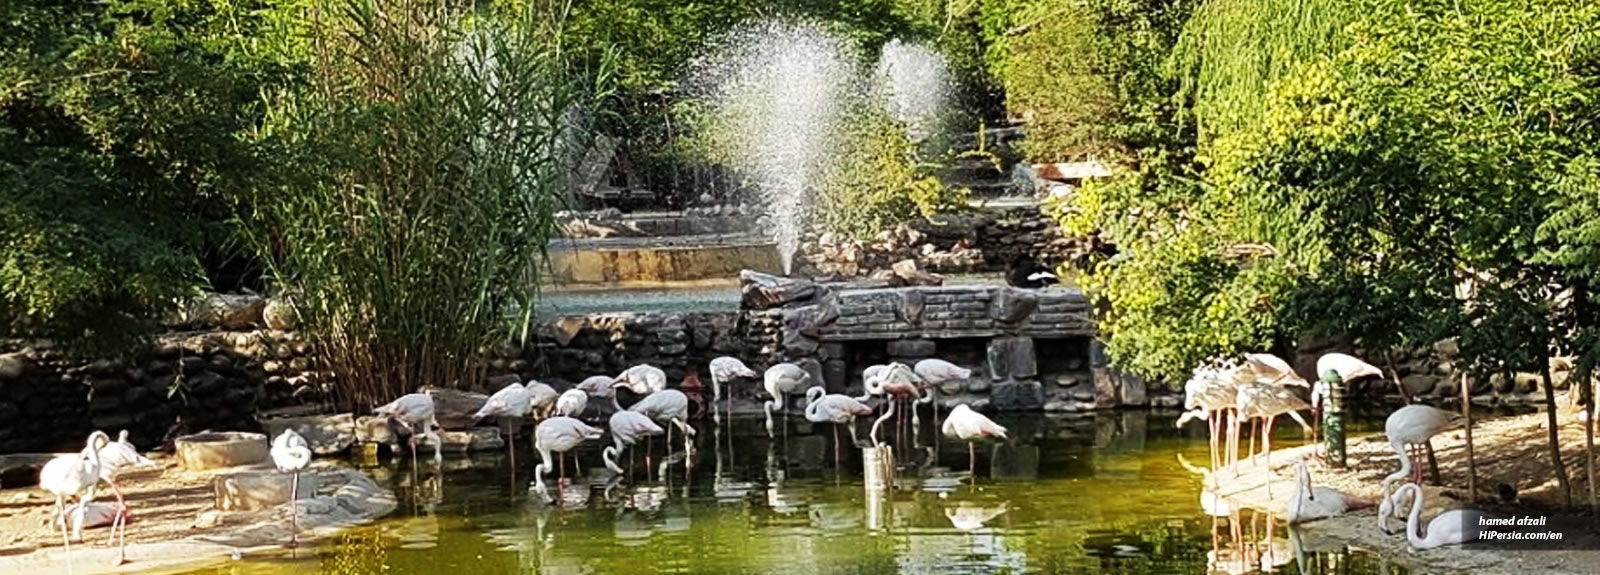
(775, 88)
(915, 85)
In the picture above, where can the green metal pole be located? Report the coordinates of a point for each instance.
(1333, 418)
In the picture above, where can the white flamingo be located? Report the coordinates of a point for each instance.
(1448, 528)
(115, 458)
(291, 455)
(74, 475)
(541, 398)
(725, 370)
(781, 380)
(1267, 403)
(1273, 369)
(669, 406)
(509, 407)
(1212, 393)
(643, 379)
(899, 382)
(1415, 425)
(1310, 502)
(970, 426)
(1348, 368)
(601, 386)
(838, 409)
(936, 372)
(411, 411)
(1391, 506)
(872, 381)
(572, 403)
(559, 434)
(627, 428)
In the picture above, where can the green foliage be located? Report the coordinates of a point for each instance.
(119, 125)
(875, 180)
(429, 150)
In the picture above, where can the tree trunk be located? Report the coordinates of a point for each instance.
(1388, 358)
(1555, 433)
(1472, 465)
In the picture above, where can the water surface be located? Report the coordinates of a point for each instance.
(1102, 493)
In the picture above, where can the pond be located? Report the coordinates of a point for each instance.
(1108, 492)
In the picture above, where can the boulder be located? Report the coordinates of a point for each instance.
(1526, 382)
(374, 429)
(216, 450)
(226, 311)
(454, 408)
(1017, 396)
(1447, 348)
(279, 314)
(1501, 383)
(1013, 305)
(1105, 388)
(766, 291)
(906, 270)
(1130, 389)
(1012, 357)
(1418, 384)
(12, 365)
(325, 434)
(1447, 387)
(256, 490)
(462, 441)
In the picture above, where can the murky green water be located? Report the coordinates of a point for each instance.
(1102, 493)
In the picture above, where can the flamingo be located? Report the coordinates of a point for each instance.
(509, 407)
(291, 454)
(1391, 505)
(936, 372)
(1414, 425)
(572, 403)
(840, 409)
(74, 475)
(1211, 393)
(541, 398)
(668, 406)
(899, 382)
(410, 411)
(643, 379)
(627, 427)
(967, 425)
(1452, 527)
(1274, 369)
(872, 381)
(601, 386)
(559, 434)
(1348, 368)
(115, 458)
(781, 380)
(1267, 402)
(1310, 503)
(725, 370)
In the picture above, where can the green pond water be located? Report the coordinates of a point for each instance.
(1104, 493)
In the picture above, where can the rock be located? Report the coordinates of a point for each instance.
(1016, 396)
(813, 367)
(766, 291)
(563, 329)
(1448, 348)
(256, 490)
(835, 374)
(1525, 382)
(1067, 380)
(191, 364)
(1418, 384)
(905, 270)
(325, 434)
(226, 311)
(1012, 305)
(978, 384)
(206, 383)
(1447, 387)
(948, 227)
(499, 382)
(1130, 389)
(1479, 386)
(454, 408)
(1166, 401)
(374, 429)
(911, 348)
(922, 278)
(1012, 357)
(1502, 384)
(215, 450)
(796, 344)
(474, 439)
(952, 386)
(911, 305)
(279, 314)
(1105, 388)
(888, 277)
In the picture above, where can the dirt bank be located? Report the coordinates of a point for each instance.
(1509, 450)
(175, 524)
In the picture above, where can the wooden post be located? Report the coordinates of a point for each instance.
(1472, 465)
(1333, 419)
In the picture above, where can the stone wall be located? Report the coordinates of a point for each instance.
(985, 241)
(1431, 374)
(184, 382)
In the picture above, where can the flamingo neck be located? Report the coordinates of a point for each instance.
(609, 453)
(1414, 522)
(1405, 461)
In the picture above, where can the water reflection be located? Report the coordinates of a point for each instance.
(1104, 492)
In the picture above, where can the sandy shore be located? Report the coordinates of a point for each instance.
(175, 526)
(1510, 450)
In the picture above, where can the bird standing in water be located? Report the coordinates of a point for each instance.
(781, 380)
(411, 411)
(291, 455)
(509, 406)
(970, 426)
(835, 408)
(725, 370)
(627, 428)
(559, 434)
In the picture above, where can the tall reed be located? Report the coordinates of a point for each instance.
(427, 157)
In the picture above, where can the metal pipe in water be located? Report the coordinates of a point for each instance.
(877, 464)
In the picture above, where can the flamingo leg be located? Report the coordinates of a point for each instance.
(972, 462)
(888, 413)
(837, 456)
(122, 509)
(66, 542)
(294, 509)
(1252, 449)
